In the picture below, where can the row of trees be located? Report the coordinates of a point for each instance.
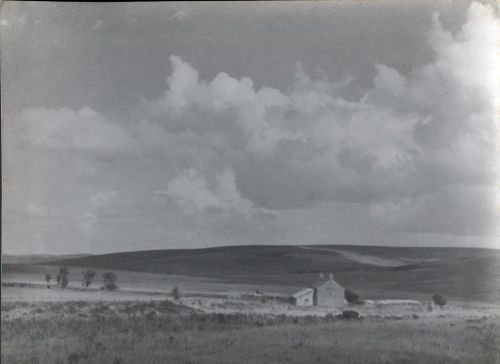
(88, 277)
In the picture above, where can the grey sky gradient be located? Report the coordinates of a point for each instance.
(181, 125)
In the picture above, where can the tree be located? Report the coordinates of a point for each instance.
(109, 281)
(352, 297)
(176, 294)
(439, 300)
(88, 277)
(63, 277)
(48, 277)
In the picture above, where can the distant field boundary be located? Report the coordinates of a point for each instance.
(246, 296)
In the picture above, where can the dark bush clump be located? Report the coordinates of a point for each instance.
(352, 297)
(176, 294)
(439, 300)
(349, 315)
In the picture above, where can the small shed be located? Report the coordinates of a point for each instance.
(304, 297)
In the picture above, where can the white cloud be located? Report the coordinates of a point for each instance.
(180, 14)
(102, 199)
(97, 25)
(37, 210)
(410, 135)
(389, 80)
(84, 130)
(414, 148)
(193, 193)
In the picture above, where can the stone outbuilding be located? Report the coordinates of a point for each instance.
(304, 297)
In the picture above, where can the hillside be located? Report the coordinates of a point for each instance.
(37, 258)
(461, 273)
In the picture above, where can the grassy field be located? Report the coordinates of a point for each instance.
(165, 332)
(130, 283)
(375, 272)
(219, 319)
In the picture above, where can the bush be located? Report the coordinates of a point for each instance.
(176, 294)
(352, 297)
(62, 277)
(439, 300)
(350, 315)
(109, 279)
(88, 277)
(329, 317)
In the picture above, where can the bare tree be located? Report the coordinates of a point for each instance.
(176, 294)
(48, 277)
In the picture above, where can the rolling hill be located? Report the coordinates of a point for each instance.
(37, 258)
(376, 272)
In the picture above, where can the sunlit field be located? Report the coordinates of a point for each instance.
(168, 332)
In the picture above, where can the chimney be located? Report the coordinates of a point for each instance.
(330, 276)
(322, 276)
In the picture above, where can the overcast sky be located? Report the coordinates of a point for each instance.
(176, 125)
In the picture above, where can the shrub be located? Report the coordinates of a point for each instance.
(329, 317)
(350, 315)
(439, 300)
(62, 277)
(88, 277)
(109, 279)
(175, 293)
(352, 297)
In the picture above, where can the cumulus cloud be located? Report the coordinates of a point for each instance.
(194, 194)
(102, 199)
(84, 130)
(409, 136)
(96, 205)
(416, 151)
(97, 25)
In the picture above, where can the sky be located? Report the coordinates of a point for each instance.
(134, 126)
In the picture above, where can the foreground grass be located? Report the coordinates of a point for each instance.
(162, 332)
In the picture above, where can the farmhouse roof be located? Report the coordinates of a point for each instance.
(325, 281)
